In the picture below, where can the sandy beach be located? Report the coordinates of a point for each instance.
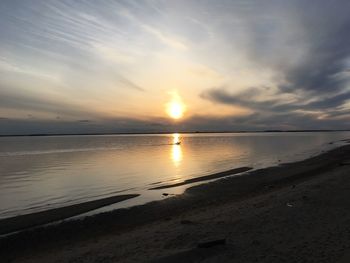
(297, 212)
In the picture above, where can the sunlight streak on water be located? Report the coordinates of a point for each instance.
(176, 151)
(176, 155)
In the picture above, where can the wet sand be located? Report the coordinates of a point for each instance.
(205, 178)
(296, 212)
(17, 223)
(21, 222)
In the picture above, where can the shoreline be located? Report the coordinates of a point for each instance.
(22, 222)
(229, 190)
(205, 178)
(12, 225)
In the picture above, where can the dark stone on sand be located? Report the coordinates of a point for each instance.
(186, 222)
(165, 194)
(255, 243)
(212, 243)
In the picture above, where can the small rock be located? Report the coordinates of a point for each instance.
(165, 194)
(186, 222)
(256, 243)
(212, 243)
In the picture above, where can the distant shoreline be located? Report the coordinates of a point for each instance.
(160, 133)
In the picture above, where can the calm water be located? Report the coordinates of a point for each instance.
(38, 173)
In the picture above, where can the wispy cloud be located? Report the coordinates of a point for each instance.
(8, 66)
(165, 39)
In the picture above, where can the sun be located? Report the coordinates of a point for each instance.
(175, 108)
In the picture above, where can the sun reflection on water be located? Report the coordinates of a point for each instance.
(176, 151)
(176, 138)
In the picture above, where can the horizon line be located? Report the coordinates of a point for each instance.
(167, 132)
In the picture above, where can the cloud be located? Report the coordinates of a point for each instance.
(27, 103)
(247, 98)
(59, 126)
(272, 110)
(128, 83)
(165, 38)
(322, 35)
(113, 54)
(310, 62)
(7, 66)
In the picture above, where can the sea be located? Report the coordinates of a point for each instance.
(38, 173)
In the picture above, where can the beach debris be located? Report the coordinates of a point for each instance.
(212, 243)
(186, 222)
(290, 205)
(167, 194)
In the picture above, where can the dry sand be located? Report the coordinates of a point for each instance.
(292, 213)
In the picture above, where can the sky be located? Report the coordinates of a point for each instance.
(88, 66)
